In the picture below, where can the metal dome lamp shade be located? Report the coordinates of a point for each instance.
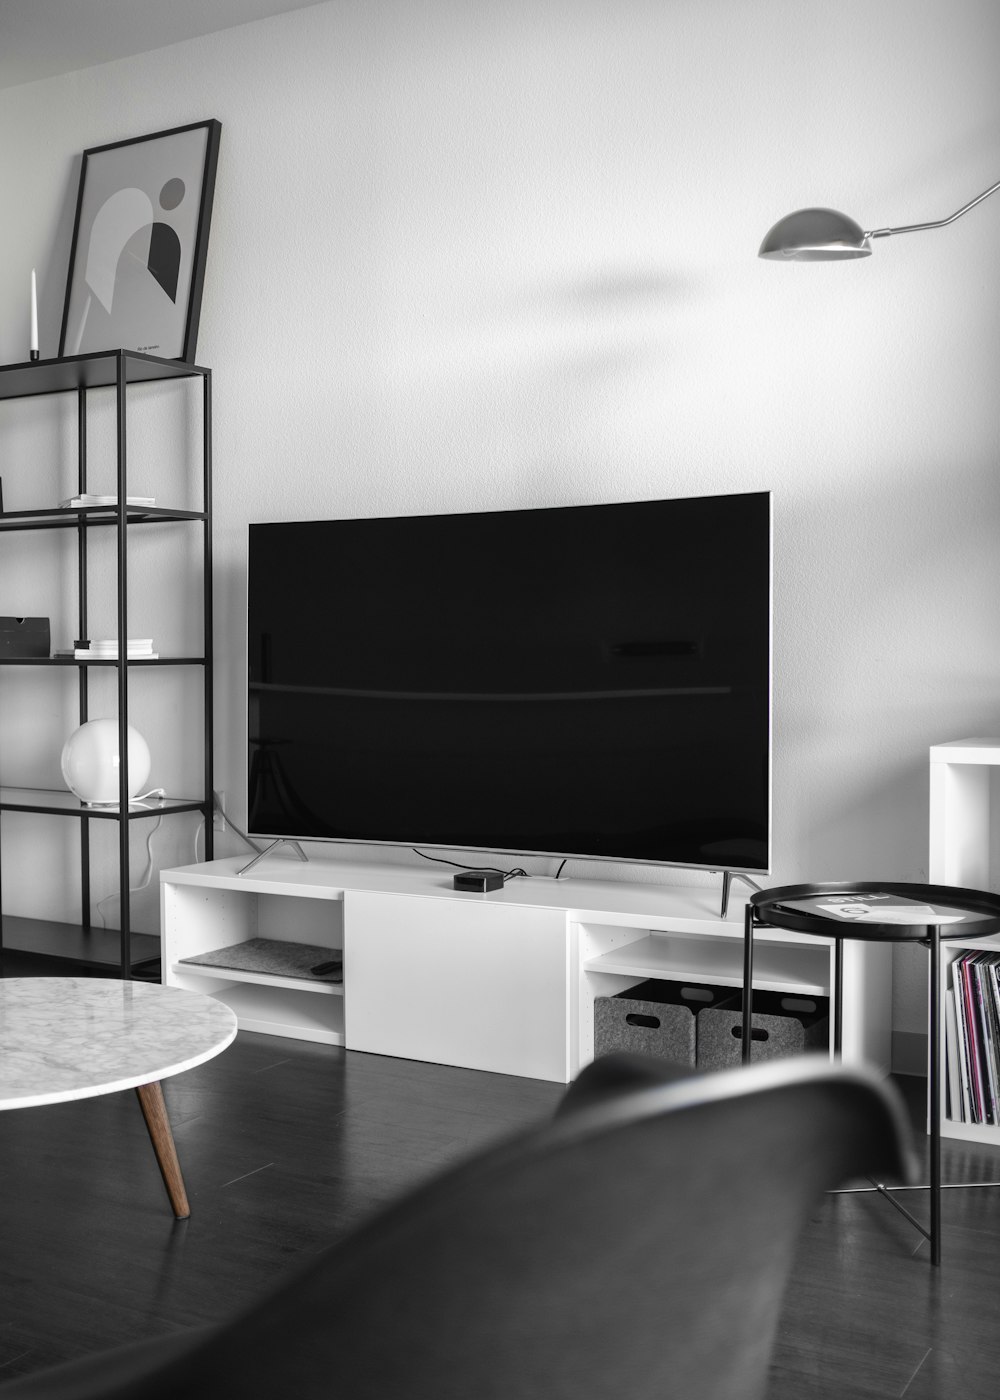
(816, 235)
(824, 235)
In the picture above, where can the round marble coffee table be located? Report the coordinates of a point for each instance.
(76, 1037)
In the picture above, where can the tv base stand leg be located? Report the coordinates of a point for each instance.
(728, 876)
(281, 841)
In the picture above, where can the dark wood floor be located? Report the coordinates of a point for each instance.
(866, 1316)
(285, 1144)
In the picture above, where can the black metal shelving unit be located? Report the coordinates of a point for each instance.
(82, 376)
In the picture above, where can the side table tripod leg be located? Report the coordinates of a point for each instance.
(154, 1111)
(747, 984)
(933, 1072)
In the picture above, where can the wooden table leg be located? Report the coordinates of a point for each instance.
(154, 1111)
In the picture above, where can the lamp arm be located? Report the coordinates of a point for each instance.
(939, 223)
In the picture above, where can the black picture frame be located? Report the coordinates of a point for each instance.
(140, 244)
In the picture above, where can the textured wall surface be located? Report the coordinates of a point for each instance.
(469, 256)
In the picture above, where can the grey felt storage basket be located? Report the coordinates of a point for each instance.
(652, 1018)
(782, 1024)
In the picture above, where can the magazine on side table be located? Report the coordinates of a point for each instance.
(875, 907)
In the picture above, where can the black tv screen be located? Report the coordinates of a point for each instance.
(589, 681)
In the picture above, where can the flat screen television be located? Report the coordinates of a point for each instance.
(584, 681)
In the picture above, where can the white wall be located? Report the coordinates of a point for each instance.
(474, 255)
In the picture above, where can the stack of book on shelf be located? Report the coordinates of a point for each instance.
(972, 1038)
(137, 649)
(75, 502)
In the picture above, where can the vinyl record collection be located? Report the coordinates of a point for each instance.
(972, 1037)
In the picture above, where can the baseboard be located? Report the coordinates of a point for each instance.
(909, 1052)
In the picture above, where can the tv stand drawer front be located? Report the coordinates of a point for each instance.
(475, 984)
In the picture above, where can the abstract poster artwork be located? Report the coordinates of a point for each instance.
(140, 240)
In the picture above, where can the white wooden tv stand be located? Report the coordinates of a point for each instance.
(503, 981)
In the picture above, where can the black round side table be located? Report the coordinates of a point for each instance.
(878, 913)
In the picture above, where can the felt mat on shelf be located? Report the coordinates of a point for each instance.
(274, 956)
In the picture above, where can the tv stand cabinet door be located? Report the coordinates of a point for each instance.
(458, 982)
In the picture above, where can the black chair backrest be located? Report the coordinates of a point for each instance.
(637, 1246)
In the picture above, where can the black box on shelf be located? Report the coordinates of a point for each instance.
(653, 1018)
(782, 1024)
(24, 637)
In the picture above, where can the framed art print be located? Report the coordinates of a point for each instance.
(140, 240)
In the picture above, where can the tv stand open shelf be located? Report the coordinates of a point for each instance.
(778, 967)
(270, 962)
(503, 981)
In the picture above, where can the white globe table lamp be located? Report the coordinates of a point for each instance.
(91, 762)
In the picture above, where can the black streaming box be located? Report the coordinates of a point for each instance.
(479, 880)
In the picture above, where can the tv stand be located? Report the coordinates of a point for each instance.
(272, 846)
(502, 981)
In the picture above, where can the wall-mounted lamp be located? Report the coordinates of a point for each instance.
(824, 235)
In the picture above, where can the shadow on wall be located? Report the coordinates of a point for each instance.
(620, 288)
(544, 387)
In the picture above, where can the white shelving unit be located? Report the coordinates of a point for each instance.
(503, 981)
(963, 853)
